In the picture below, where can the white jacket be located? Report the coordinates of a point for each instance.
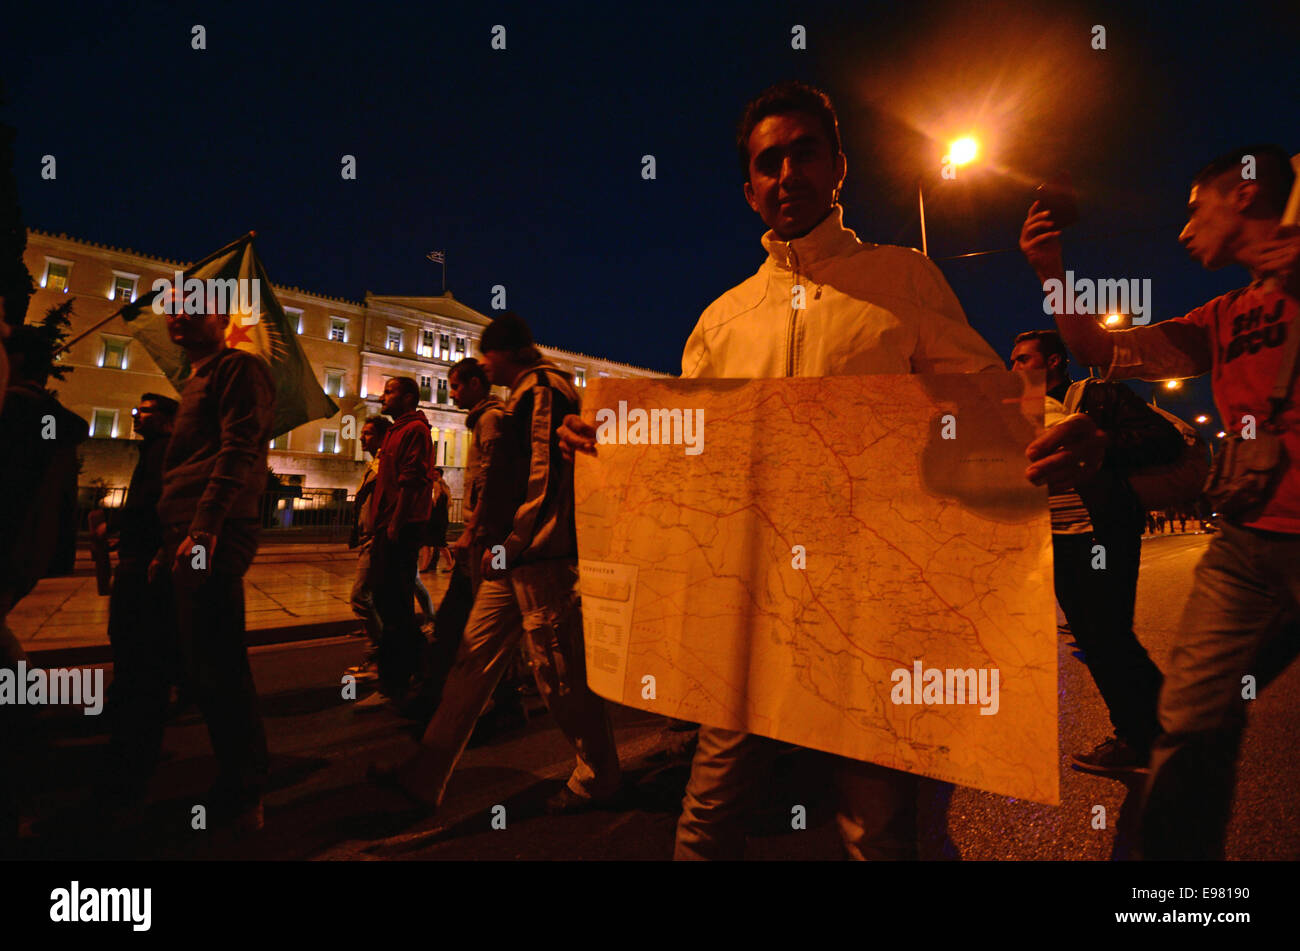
(868, 308)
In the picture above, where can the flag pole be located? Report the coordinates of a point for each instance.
(117, 313)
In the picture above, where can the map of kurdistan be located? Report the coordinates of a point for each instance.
(850, 564)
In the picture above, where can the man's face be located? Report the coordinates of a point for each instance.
(465, 393)
(392, 402)
(194, 331)
(1027, 356)
(496, 363)
(1213, 226)
(149, 420)
(370, 439)
(793, 175)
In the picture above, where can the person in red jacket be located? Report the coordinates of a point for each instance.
(399, 510)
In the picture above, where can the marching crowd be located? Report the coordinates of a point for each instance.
(512, 608)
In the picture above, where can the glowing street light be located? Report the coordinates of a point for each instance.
(1173, 384)
(1202, 418)
(1220, 434)
(1113, 319)
(963, 151)
(960, 152)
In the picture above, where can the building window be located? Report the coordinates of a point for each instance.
(426, 343)
(442, 390)
(444, 346)
(462, 348)
(113, 355)
(123, 287)
(426, 389)
(103, 424)
(329, 440)
(56, 274)
(295, 318)
(333, 382)
(394, 339)
(579, 376)
(339, 329)
(280, 442)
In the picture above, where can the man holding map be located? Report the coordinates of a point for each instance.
(822, 304)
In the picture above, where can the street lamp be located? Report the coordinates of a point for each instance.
(1173, 384)
(1113, 319)
(1202, 419)
(960, 152)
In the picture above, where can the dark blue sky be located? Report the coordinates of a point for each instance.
(524, 165)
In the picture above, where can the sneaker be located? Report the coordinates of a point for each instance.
(1112, 756)
(361, 672)
(372, 704)
(566, 802)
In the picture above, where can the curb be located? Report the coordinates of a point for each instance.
(89, 655)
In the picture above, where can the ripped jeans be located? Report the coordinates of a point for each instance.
(540, 602)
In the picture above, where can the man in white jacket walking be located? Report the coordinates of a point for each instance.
(823, 303)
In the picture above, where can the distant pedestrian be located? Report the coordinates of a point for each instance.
(400, 508)
(1099, 508)
(141, 616)
(362, 598)
(214, 476)
(438, 521)
(529, 587)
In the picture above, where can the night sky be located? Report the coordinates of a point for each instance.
(524, 165)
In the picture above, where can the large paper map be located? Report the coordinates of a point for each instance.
(851, 564)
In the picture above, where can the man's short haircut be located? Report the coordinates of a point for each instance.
(381, 424)
(469, 369)
(783, 98)
(1049, 343)
(1273, 173)
(165, 404)
(408, 386)
(509, 332)
(438, 469)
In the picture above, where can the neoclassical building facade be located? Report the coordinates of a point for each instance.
(353, 346)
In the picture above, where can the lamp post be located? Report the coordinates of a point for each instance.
(960, 152)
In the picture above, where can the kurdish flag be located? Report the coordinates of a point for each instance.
(233, 281)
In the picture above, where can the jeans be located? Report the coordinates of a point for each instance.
(877, 806)
(142, 632)
(1098, 603)
(392, 578)
(1240, 620)
(210, 627)
(539, 602)
(362, 597)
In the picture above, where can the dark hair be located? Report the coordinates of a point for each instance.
(407, 385)
(438, 469)
(1273, 173)
(509, 332)
(780, 99)
(29, 352)
(1049, 343)
(381, 424)
(470, 369)
(165, 403)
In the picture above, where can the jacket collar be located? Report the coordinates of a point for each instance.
(828, 240)
(409, 417)
(480, 408)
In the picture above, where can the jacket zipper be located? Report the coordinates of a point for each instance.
(792, 262)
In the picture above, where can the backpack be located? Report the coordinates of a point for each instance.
(1174, 484)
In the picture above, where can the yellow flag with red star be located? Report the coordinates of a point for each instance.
(232, 281)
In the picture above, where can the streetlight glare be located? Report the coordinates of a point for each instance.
(963, 151)
(1113, 318)
(1173, 384)
(1221, 434)
(1202, 418)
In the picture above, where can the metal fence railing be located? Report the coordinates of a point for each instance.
(324, 514)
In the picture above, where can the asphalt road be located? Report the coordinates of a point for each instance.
(321, 806)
